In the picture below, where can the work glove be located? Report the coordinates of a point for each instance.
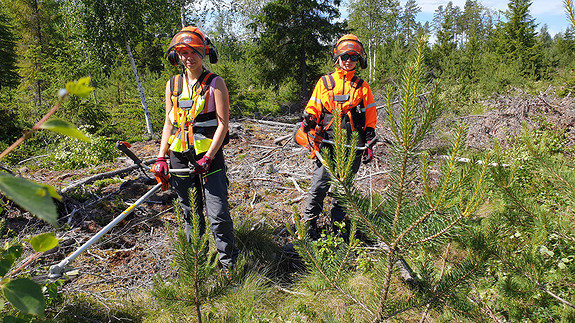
(308, 122)
(368, 152)
(367, 155)
(161, 172)
(202, 165)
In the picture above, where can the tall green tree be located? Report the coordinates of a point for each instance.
(39, 43)
(408, 20)
(293, 37)
(8, 74)
(445, 26)
(516, 38)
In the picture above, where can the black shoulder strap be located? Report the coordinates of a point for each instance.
(356, 82)
(208, 81)
(176, 80)
(328, 81)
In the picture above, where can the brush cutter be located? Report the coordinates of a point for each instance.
(56, 271)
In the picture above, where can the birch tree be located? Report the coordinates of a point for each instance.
(376, 23)
(114, 25)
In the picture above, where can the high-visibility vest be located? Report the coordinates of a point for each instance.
(193, 113)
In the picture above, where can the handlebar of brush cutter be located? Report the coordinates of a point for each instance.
(370, 145)
(125, 148)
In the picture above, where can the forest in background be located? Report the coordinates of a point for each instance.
(486, 241)
(271, 54)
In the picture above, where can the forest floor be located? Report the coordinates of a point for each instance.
(268, 183)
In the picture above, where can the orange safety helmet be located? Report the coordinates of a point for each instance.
(349, 44)
(193, 38)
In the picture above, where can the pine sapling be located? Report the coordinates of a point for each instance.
(196, 266)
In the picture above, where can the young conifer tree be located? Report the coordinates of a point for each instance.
(417, 215)
(196, 266)
(534, 267)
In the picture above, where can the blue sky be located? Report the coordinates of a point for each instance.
(549, 12)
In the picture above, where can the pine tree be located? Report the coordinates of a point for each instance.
(516, 38)
(196, 281)
(533, 271)
(292, 37)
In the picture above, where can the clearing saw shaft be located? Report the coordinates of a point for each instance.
(56, 271)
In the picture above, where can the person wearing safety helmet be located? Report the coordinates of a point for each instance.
(195, 131)
(353, 96)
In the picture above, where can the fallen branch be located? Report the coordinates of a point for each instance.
(273, 123)
(467, 160)
(277, 141)
(561, 300)
(110, 174)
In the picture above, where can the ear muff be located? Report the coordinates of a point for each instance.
(173, 58)
(212, 51)
(362, 62)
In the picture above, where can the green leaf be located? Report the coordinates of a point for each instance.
(44, 242)
(80, 88)
(25, 295)
(12, 319)
(33, 197)
(64, 128)
(9, 256)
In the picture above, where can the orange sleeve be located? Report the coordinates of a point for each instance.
(314, 105)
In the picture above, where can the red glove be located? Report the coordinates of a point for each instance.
(160, 170)
(203, 165)
(367, 156)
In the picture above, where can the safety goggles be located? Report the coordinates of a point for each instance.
(345, 57)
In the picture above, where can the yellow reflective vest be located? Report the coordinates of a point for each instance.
(193, 113)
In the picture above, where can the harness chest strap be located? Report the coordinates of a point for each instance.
(329, 84)
(204, 79)
(176, 91)
(197, 92)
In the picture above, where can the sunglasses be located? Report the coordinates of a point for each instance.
(345, 57)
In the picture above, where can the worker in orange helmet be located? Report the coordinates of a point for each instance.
(194, 134)
(354, 98)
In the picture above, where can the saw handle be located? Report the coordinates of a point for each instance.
(125, 148)
(372, 142)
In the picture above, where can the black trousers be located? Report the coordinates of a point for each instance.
(319, 187)
(211, 188)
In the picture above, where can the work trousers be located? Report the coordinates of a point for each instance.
(212, 189)
(319, 187)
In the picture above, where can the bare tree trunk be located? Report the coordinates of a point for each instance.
(140, 90)
(303, 71)
(183, 14)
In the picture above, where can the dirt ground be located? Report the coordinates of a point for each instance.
(267, 181)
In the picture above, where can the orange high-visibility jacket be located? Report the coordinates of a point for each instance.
(357, 96)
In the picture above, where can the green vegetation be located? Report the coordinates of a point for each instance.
(480, 241)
